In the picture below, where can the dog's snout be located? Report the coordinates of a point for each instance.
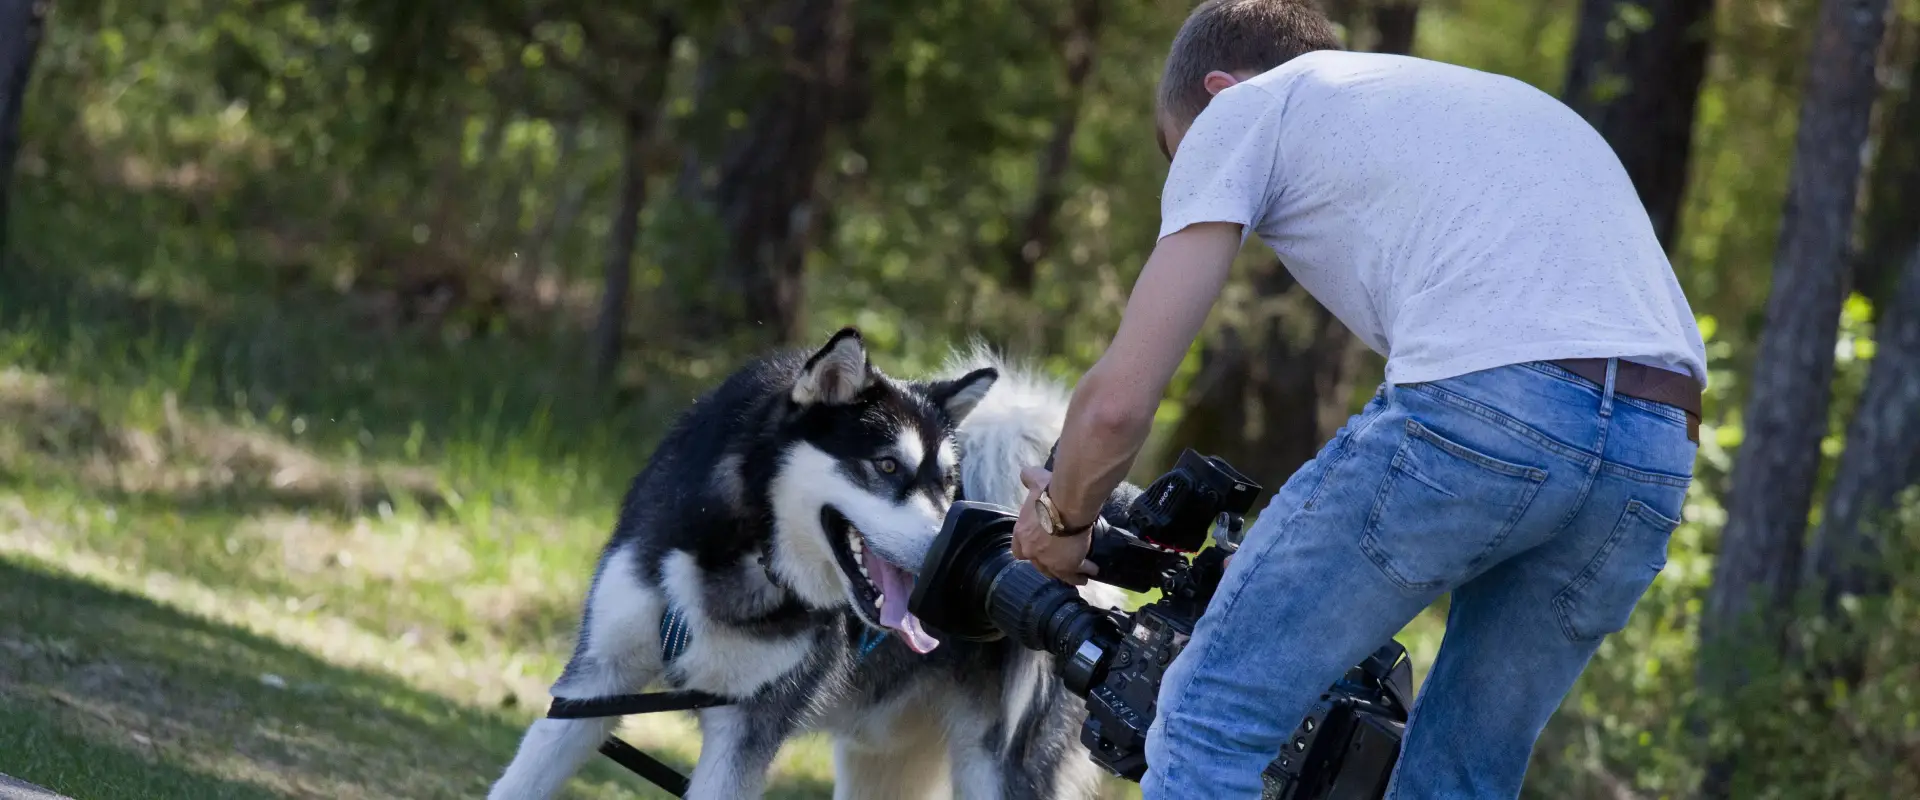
(938, 500)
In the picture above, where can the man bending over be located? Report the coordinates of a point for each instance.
(1530, 449)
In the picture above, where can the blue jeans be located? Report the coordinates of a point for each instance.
(1542, 502)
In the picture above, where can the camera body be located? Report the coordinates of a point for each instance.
(971, 588)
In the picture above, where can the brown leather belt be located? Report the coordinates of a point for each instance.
(1651, 384)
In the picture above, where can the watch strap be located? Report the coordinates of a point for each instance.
(1056, 526)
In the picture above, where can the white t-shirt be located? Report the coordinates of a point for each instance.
(1453, 219)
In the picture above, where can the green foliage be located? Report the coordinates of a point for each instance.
(1812, 732)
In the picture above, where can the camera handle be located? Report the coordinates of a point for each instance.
(1229, 529)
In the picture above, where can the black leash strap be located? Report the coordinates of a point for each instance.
(621, 705)
(645, 766)
(626, 755)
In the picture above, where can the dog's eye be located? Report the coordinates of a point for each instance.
(886, 465)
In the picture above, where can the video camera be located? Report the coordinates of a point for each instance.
(972, 588)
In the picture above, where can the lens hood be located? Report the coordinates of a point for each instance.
(971, 532)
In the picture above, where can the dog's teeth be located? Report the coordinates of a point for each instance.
(881, 600)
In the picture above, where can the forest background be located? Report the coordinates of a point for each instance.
(331, 332)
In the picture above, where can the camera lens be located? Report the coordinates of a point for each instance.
(949, 594)
(972, 588)
(1039, 612)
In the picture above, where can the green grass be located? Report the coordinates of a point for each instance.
(75, 764)
(110, 694)
(113, 695)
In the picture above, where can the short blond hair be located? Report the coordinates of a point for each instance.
(1234, 36)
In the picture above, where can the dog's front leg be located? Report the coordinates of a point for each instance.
(554, 749)
(617, 653)
(737, 746)
(550, 753)
(977, 771)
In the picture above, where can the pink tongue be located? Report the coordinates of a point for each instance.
(897, 586)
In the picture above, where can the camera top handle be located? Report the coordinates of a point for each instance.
(1176, 511)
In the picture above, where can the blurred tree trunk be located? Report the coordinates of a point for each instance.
(1892, 224)
(1758, 565)
(768, 175)
(1883, 444)
(639, 118)
(609, 328)
(1393, 25)
(1346, 14)
(22, 24)
(1635, 73)
(1272, 390)
(1079, 38)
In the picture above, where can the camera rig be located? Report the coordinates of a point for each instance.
(971, 588)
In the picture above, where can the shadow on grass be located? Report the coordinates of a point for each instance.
(79, 766)
(103, 689)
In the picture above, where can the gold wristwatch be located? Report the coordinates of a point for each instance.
(1051, 521)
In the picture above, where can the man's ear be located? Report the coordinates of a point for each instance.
(959, 396)
(1218, 81)
(835, 374)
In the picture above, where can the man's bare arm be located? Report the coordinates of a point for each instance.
(1114, 403)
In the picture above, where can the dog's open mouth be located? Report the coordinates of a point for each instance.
(880, 589)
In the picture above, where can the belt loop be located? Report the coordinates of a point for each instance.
(1606, 392)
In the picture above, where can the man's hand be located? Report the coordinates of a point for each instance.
(1059, 557)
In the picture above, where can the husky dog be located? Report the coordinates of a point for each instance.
(782, 519)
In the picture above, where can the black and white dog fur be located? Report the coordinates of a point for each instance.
(784, 516)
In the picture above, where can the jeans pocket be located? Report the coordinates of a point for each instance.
(1442, 508)
(1602, 597)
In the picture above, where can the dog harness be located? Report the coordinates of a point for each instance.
(676, 635)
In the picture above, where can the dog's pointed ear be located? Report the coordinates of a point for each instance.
(959, 396)
(835, 374)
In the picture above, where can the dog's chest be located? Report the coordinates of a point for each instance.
(860, 716)
(728, 663)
